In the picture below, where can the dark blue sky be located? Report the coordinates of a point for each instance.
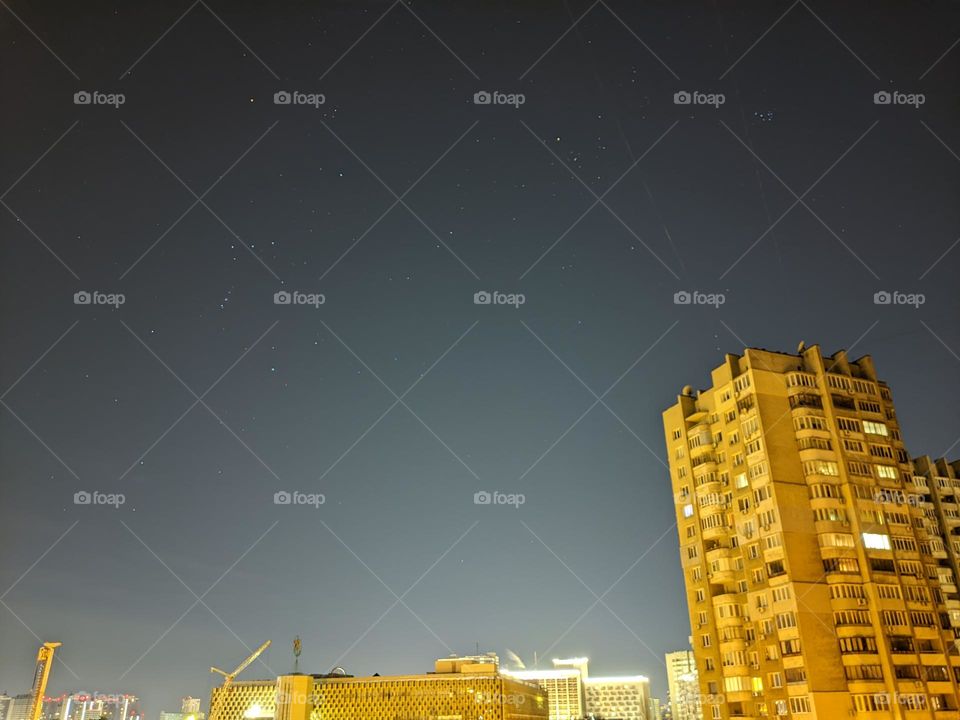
(293, 397)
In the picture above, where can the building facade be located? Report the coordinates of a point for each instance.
(617, 698)
(816, 587)
(190, 705)
(572, 694)
(683, 685)
(459, 689)
(563, 688)
(18, 707)
(91, 706)
(189, 710)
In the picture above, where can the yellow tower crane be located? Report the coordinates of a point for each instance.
(217, 706)
(40, 677)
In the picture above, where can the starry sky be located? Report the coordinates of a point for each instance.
(793, 194)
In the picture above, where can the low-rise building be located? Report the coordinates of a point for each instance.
(458, 689)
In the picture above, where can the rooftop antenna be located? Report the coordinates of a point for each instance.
(297, 647)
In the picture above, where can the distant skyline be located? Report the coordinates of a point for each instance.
(739, 154)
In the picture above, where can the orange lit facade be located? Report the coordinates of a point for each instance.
(820, 568)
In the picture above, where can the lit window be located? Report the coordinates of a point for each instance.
(688, 510)
(876, 541)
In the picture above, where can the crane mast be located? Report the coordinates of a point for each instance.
(40, 677)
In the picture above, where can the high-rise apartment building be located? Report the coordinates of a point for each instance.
(937, 484)
(817, 580)
(683, 685)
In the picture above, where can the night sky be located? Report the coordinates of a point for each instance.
(398, 198)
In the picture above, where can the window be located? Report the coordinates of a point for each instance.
(838, 382)
(854, 446)
(810, 422)
(887, 472)
(881, 451)
(841, 565)
(786, 620)
(821, 467)
(876, 541)
(809, 443)
(869, 407)
(790, 647)
(805, 400)
(857, 645)
(797, 379)
(875, 428)
(849, 424)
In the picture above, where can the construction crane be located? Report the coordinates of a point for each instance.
(40, 677)
(228, 680)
